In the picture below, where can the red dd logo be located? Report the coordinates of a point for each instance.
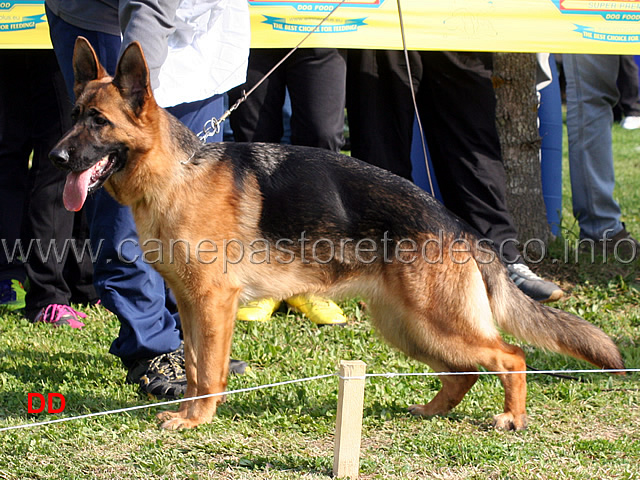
(42, 403)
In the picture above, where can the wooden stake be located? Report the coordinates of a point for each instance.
(346, 452)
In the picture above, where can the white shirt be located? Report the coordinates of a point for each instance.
(208, 52)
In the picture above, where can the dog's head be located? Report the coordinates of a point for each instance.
(109, 117)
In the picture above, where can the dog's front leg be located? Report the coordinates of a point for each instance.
(187, 313)
(207, 352)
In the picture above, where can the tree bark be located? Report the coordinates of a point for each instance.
(514, 80)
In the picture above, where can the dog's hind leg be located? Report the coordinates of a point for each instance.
(504, 357)
(421, 334)
(422, 338)
(210, 330)
(499, 357)
(454, 388)
(456, 334)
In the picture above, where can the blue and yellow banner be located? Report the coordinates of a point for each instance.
(23, 24)
(560, 26)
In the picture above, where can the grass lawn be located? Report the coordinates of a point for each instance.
(584, 428)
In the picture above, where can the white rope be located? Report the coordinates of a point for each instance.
(452, 374)
(170, 402)
(308, 379)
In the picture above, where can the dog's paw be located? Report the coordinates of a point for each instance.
(168, 415)
(425, 411)
(509, 421)
(179, 423)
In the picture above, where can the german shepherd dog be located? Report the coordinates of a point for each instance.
(251, 220)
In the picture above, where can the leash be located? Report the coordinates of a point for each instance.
(212, 126)
(413, 98)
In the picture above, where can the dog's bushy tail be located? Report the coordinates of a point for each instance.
(543, 326)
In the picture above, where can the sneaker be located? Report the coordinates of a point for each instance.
(630, 123)
(258, 310)
(58, 315)
(164, 376)
(532, 285)
(12, 295)
(319, 310)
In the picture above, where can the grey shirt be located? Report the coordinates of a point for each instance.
(97, 15)
(149, 22)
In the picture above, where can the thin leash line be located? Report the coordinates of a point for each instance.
(214, 123)
(413, 98)
(169, 402)
(301, 380)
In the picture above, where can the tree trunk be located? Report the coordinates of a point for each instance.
(514, 79)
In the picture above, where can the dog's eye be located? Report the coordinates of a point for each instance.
(75, 113)
(97, 118)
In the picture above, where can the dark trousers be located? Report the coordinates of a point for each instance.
(629, 87)
(315, 78)
(34, 114)
(457, 107)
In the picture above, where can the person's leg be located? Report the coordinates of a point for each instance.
(78, 270)
(15, 147)
(125, 283)
(316, 79)
(46, 221)
(259, 117)
(379, 107)
(457, 106)
(63, 37)
(629, 86)
(591, 94)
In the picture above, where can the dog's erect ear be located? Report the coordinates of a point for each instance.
(86, 66)
(132, 77)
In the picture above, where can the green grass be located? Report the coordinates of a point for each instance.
(579, 429)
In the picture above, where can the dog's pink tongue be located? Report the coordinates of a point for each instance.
(75, 190)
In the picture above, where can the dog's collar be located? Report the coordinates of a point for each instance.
(188, 160)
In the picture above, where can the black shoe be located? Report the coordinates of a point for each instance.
(137, 370)
(164, 376)
(622, 245)
(532, 285)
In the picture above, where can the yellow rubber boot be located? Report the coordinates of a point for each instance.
(320, 311)
(258, 310)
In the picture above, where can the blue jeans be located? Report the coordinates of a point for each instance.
(127, 285)
(591, 95)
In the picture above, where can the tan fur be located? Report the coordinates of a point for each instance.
(439, 312)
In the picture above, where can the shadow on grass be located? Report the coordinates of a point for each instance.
(15, 404)
(32, 367)
(285, 463)
(80, 377)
